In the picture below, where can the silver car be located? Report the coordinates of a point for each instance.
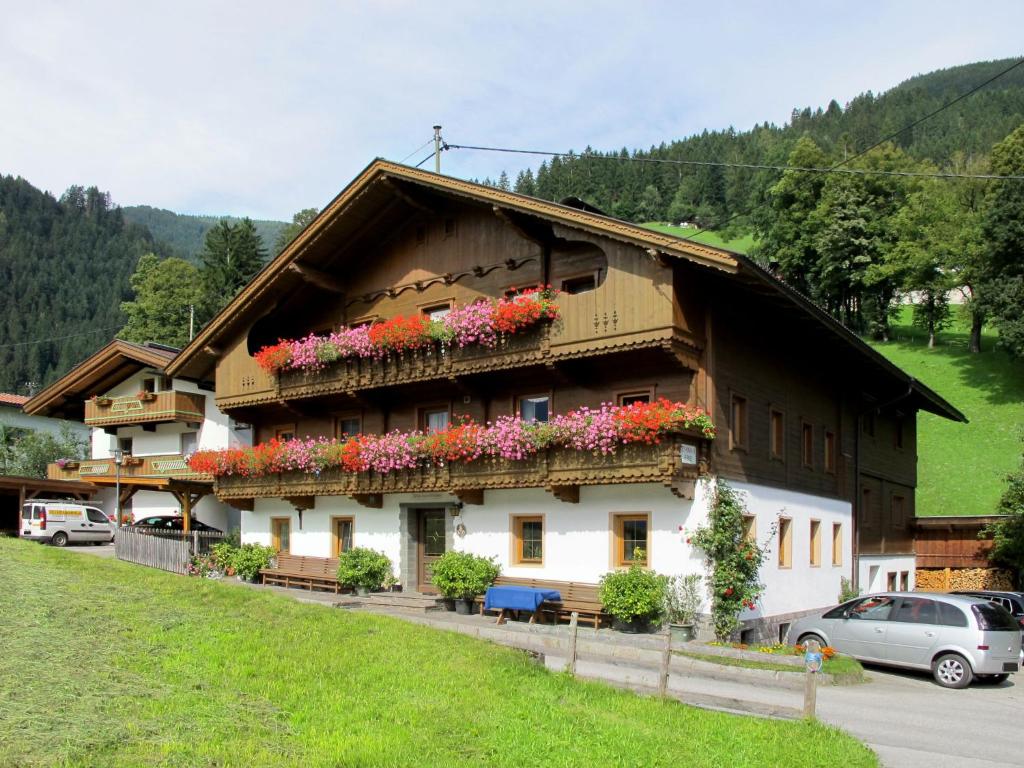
(958, 638)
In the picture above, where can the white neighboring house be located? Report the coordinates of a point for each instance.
(13, 415)
(122, 397)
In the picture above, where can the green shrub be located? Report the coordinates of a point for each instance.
(249, 559)
(634, 595)
(363, 567)
(460, 575)
(223, 554)
(846, 590)
(683, 598)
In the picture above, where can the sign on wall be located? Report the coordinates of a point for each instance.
(688, 454)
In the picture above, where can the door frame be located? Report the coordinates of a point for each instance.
(421, 518)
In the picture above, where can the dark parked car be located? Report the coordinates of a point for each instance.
(173, 523)
(1011, 601)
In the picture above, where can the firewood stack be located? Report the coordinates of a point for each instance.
(953, 579)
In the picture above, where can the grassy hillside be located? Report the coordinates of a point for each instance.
(740, 245)
(961, 467)
(186, 233)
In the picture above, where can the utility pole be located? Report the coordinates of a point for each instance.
(191, 321)
(437, 149)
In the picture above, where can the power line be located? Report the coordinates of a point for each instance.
(749, 166)
(59, 338)
(421, 146)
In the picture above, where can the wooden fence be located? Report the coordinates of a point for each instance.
(167, 550)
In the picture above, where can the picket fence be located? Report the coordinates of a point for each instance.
(167, 550)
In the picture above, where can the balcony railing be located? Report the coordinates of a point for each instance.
(561, 470)
(166, 466)
(426, 363)
(154, 408)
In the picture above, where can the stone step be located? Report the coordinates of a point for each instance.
(409, 601)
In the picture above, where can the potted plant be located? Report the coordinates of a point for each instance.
(67, 463)
(682, 601)
(635, 598)
(364, 569)
(146, 397)
(102, 400)
(460, 576)
(131, 461)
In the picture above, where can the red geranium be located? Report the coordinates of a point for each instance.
(274, 357)
(401, 333)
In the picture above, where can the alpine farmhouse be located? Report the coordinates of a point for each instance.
(815, 428)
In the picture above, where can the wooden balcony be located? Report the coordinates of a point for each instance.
(561, 471)
(148, 470)
(162, 407)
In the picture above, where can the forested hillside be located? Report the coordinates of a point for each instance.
(186, 233)
(712, 195)
(64, 269)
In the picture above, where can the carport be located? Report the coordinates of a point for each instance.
(15, 491)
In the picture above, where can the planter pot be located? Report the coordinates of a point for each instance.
(449, 604)
(682, 633)
(636, 626)
(103, 402)
(464, 607)
(362, 591)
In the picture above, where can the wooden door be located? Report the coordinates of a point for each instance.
(430, 545)
(280, 534)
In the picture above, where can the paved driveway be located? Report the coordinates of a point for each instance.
(909, 721)
(96, 550)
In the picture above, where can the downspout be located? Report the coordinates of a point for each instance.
(858, 495)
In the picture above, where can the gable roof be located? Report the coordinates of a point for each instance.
(97, 373)
(383, 181)
(6, 398)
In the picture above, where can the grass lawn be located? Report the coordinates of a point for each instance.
(845, 668)
(712, 238)
(962, 467)
(104, 663)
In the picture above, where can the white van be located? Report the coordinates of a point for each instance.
(65, 522)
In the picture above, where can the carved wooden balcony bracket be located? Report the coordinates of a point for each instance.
(684, 488)
(570, 494)
(301, 503)
(369, 500)
(469, 495)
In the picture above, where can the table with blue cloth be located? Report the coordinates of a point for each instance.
(515, 598)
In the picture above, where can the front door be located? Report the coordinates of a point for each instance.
(430, 545)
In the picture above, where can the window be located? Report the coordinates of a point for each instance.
(581, 284)
(189, 443)
(830, 452)
(280, 534)
(149, 385)
(341, 535)
(631, 540)
(285, 433)
(785, 542)
(435, 418)
(837, 543)
(95, 516)
(750, 528)
(738, 434)
(348, 425)
(873, 608)
(437, 311)
(166, 384)
(904, 581)
(535, 407)
(528, 540)
(807, 445)
(125, 445)
(951, 616)
(815, 543)
(916, 610)
(628, 398)
(890, 581)
(777, 436)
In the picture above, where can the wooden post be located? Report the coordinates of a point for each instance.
(666, 659)
(573, 629)
(186, 511)
(946, 576)
(811, 682)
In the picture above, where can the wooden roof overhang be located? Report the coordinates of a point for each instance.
(35, 487)
(386, 194)
(95, 375)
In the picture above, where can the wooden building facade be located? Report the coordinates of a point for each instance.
(812, 424)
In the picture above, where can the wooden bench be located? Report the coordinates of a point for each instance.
(584, 599)
(300, 571)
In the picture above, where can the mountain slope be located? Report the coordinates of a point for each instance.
(186, 233)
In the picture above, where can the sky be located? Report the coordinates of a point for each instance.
(264, 108)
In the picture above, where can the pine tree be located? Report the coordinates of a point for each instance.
(231, 255)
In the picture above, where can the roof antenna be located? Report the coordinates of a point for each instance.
(437, 149)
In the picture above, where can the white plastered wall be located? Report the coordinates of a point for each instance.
(874, 570)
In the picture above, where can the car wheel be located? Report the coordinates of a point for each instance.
(59, 539)
(811, 636)
(951, 670)
(993, 679)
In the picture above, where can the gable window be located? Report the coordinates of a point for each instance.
(342, 529)
(149, 385)
(777, 435)
(435, 418)
(830, 452)
(640, 396)
(535, 407)
(281, 534)
(815, 558)
(837, 543)
(738, 423)
(528, 539)
(807, 445)
(581, 284)
(631, 540)
(437, 311)
(348, 425)
(785, 542)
